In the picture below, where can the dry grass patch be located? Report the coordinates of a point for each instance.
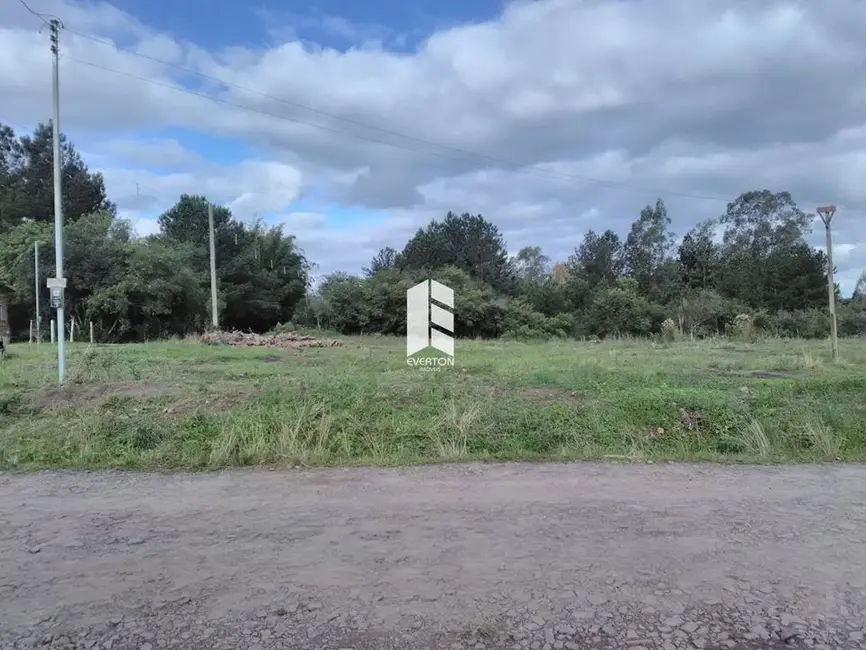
(96, 395)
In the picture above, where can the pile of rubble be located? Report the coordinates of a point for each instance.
(287, 340)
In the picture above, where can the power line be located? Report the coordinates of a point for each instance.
(516, 167)
(462, 152)
(45, 18)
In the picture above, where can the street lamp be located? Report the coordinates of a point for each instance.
(826, 213)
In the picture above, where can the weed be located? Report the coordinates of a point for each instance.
(822, 439)
(181, 404)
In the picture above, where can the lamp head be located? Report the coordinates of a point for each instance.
(826, 213)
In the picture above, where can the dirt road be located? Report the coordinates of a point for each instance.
(547, 557)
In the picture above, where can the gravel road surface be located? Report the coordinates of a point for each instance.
(470, 557)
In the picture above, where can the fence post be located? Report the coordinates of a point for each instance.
(72, 330)
(52, 330)
(30, 340)
(91, 332)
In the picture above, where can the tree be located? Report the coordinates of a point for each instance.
(765, 249)
(599, 259)
(705, 311)
(261, 273)
(27, 180)
(761, 220)
(468, 242)
(263, 279)
(596, 263)
(11, 162)
(344, 294)
(531, 265)
(386, 258)
(647, 247)
(385, 299)
(158, 295)
(479, 311)
(620, 309)
(96, 251)
(699, 257)
(794, 278)
(859, 294)
(187, 220)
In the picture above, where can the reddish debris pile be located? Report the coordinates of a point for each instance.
(287, 340)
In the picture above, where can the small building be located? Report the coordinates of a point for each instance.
(5, 299)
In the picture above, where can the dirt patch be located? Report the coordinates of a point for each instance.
(273, 358)
(547, 395)
(754, 374)
(218, 402)
(758, 374)
(94, 395)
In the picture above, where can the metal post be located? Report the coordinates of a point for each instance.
(826, 213)
(213, 283)
(52, 330)
(91, 332)
(36, 274)
(58, 203)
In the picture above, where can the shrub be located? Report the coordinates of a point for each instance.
(807, 324)
(743, 329)
(523, 322)
(670, 331)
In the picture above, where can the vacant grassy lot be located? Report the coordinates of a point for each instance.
(187, 405)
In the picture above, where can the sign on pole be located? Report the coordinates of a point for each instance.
(57, 285)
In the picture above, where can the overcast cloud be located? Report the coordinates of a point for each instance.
(664, 98)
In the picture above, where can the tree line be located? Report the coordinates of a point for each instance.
(753, 259)
(135, 288)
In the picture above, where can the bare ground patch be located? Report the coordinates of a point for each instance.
(94, 395)
(760, 374)
(215, 402)
(749, 374)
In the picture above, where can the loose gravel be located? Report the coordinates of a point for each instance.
(514, 557)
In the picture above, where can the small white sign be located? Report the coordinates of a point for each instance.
(56, 283)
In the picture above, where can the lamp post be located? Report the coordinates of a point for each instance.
(826, 213)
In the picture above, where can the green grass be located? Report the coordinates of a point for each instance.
(183, 405)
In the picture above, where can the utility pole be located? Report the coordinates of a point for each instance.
(36, 275)
(826, 213)
(58, 285)
(213, 283)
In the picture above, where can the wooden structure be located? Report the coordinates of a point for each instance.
(5, 299)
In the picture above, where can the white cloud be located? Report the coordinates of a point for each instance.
(145, 227)
(706, 98)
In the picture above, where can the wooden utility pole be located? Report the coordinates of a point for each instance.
(826, 213)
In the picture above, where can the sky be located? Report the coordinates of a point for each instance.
(353, 124)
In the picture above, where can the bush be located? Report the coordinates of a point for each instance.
(621, 311)
(743, 329)
(707, 312)
(851, 319)
(670, 331)
(523, 322)
(807, 324)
